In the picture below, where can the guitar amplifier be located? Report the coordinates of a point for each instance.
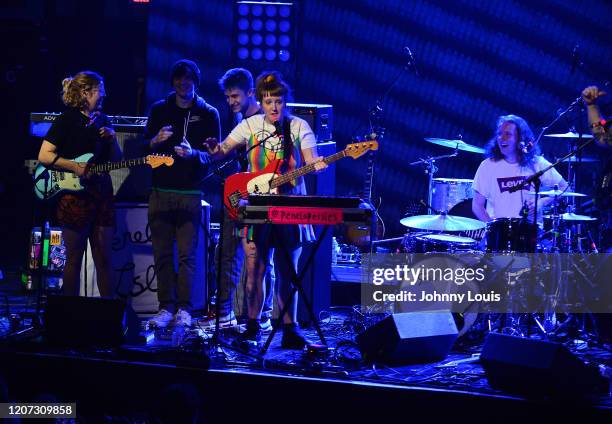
(319, 117)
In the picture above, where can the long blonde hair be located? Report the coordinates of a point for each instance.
(73, 87)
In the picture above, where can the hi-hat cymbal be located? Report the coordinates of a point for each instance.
(573, 217)
(568, 135)
(558, 193)
(442, 223)
(456, 144)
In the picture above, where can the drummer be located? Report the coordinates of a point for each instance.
(512, 155)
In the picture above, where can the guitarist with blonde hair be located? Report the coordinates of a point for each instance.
(274, 135)
(89, 213)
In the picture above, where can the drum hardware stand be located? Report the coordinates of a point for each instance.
(430, 170)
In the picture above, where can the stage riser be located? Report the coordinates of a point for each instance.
(115, 388)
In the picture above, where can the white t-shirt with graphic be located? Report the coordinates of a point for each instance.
(256, 127)
(494, 179)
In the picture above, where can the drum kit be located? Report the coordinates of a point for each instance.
(450, 227)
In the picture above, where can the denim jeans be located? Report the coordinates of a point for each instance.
(174, 217)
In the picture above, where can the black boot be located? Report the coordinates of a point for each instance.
(292, 337)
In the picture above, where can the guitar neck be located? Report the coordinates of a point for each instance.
(109, 166)
(367, 186)
(283, 179)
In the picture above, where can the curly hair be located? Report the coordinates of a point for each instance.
(272, 84)
(73, 87)
(525, 135)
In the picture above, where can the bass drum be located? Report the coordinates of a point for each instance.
(511, 235)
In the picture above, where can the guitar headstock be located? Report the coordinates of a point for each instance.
(356, 150)
(158, 160)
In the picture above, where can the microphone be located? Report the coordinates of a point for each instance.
(526, 147)
(411, 60)
(279, 129)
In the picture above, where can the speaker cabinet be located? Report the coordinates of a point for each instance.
(131, 184)
(84, 321)
(409, 338)
(536, 367)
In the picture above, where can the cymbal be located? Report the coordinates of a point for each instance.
(568, 135)
(558, 193)
(442, 223)
(459, 144)
(574, 159)
(573, 217)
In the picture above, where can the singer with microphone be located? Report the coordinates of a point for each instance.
(512, 155)
(273, 135)
(89, 213)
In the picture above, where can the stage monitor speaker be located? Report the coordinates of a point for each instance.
(536, 367)
(74, 321)
(409, 338)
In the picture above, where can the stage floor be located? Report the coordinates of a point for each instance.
(231, 382)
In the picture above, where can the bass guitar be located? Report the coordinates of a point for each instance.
(58, 181)
(240, 186)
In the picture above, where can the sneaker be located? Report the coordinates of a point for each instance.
(225, 321)
(160, 319)
(265, 324)
(182, 318)
(292, 337)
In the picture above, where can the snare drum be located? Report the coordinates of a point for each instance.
(511, 235)
(447, 192)
(447, 243)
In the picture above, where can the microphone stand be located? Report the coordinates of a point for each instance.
(431, 169)
(535, 179)
(40, 261)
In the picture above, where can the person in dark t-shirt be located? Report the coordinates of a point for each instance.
(87, 214)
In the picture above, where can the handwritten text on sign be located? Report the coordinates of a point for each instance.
(304, 215)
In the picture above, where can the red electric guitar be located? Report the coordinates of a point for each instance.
(240, 186)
